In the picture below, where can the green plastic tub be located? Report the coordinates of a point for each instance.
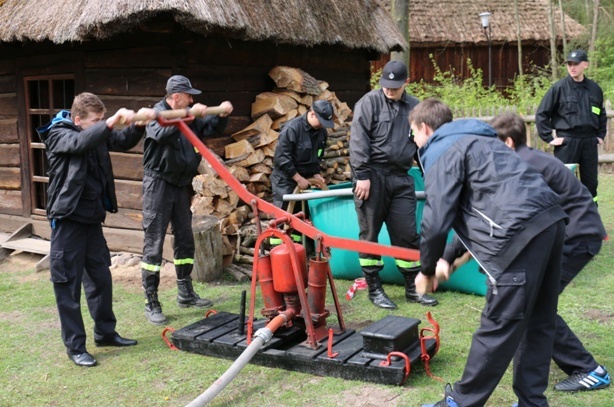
(336, 216)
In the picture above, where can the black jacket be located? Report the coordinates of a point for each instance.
(299, 147)
(380, 136)
(585, 228)
(169, 155)
(573, 109)
(480, 187)
(67, 147)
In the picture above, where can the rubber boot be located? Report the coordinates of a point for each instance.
(376, 292)
(153, 309)
(186, 297)
(410, 289)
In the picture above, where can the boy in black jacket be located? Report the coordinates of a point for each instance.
(583, 237)
(81, 190)
(511, 221)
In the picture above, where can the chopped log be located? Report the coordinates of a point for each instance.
(240, 173)
(234, 161)
(269, 151)
(302, 109)
(260, 126)
(265, 139)
(238, 149)
(307, 100)
(260, 177)
(325, 95)
(247, 250)
(268, 161)
(273, 104)
(241, 258)
(260, 169)
(281, 120)
(254, 158)
(222, 207)
(239, 215)
(338, 153)
(236, 274)
(233, 198)
(208, 248)
(340, 177)
(202, 206)
(209, 185)
(295, 79)
(342, 112)
(289, 93)
(323, 85)
(226, 246)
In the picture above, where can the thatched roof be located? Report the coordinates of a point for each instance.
(358, 24)
(438, 22)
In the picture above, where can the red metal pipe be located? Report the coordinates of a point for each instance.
(268, 208)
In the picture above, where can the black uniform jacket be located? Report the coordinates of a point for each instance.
(585, 227)
(573, 109)
(169, 155)
(476, 184)
(380, 135)
(299, 147)
(67, 146)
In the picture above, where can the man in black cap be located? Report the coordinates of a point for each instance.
(299, 148)
(573, 107)
(381, 154)
(170, 163)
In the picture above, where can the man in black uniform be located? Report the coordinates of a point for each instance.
(574, 108)
(514, 230)
(583, 237)
(299, 147)
(170, 163)
(81, 190)
(381, 154)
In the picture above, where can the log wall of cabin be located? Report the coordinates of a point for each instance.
(454, 58)
(131, 71)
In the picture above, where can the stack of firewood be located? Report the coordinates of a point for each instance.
(250, 157)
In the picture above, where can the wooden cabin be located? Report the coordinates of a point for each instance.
(125, 51)
(449, 32)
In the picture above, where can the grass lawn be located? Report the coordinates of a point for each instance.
(34, 369)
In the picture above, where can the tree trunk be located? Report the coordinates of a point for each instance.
(400, 13)
(591, 45)
(553, 62)
(564, 33)
(518, 35)
(208, 249)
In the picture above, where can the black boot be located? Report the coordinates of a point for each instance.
(376, 292)
(186, 297)
(153, 309)
(410, 289)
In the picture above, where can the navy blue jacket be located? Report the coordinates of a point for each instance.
(67, 147)
(477, 185)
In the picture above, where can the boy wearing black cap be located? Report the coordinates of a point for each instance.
(170, 163)
(573, 107)
(299, 147)
(381, 154)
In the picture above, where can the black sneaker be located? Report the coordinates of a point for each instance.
(448, 400)
(585, 381)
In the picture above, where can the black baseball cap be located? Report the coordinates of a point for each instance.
(180, 84)
(577, 56)
(394, 75)
(324, 110)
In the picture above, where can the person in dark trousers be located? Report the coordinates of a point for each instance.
(573, 107)
(381, 154)
(170, 162)
(299, 147)
(583, 237)
(81, 189)
(504, 213)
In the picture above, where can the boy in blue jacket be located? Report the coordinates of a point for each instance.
(81, 190)
(505, 214)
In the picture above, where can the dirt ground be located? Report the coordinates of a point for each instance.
(125, 268)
